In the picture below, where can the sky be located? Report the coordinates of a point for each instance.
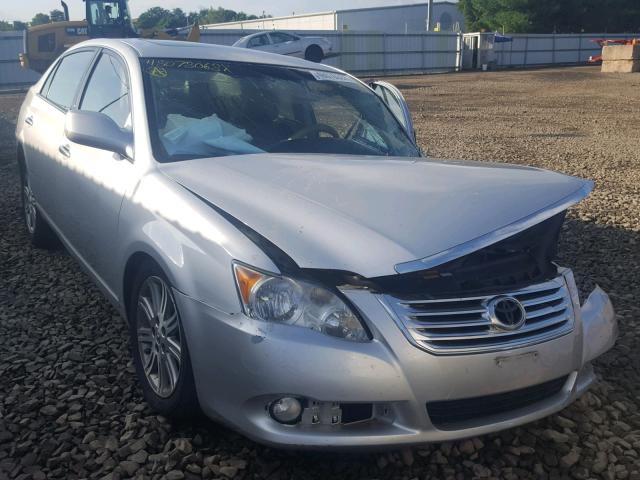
(25, 10)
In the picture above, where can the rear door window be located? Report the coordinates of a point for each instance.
(259, 41)
(67, 78)
(279, 37)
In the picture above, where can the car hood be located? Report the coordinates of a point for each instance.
(376, 216)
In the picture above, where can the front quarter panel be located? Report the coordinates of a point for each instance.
(191, 242)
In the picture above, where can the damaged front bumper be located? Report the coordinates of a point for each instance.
(599, 325)
(241, 366)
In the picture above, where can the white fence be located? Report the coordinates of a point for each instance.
(360, 53)
(364, 53)
(377, 54)
(532, 50)
(11, 75)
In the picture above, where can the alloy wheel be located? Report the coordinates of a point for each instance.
(158, 335)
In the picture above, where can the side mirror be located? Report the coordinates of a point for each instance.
(97, 130)
(390, 95)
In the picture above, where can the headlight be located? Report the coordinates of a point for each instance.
(294, 302)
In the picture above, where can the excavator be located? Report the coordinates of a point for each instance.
(103, 19)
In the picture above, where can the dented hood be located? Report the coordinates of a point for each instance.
(375, 215)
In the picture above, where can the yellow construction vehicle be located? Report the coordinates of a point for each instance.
(103, 19)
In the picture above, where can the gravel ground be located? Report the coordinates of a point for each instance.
(70, 407)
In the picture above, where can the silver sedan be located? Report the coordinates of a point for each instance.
(288, 261)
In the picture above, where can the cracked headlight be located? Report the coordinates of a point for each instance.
(284, 300)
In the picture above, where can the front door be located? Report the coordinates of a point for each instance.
(97, 180)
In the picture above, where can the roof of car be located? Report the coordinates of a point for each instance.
(205, 51)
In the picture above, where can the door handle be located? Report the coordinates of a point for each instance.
(64, 150)
(29, 120)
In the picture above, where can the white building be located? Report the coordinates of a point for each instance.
(391, 19)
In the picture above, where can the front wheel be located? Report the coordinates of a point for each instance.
(159, 345)
(313, 54)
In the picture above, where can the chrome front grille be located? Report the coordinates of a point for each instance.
(464, 325)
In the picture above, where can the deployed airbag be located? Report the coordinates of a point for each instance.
(204, 136)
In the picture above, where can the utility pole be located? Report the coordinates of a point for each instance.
(429, 15)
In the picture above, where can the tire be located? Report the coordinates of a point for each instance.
(40, 233)
(313, 53)
(167, 384)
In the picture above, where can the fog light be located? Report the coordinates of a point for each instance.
(286, 410)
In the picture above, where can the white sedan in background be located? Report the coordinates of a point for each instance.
(309, 48)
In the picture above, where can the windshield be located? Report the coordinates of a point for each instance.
(205, 108)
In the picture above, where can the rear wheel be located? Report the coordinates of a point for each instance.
(159, 345)
(39, 231)
(313, 54)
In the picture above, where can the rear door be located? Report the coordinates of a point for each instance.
(44, 132)
(396, 103)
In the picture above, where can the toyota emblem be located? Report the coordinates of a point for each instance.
(506, 313)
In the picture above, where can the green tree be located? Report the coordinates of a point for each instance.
(471, 15)
(152, 18)
(177, 18)
(216, 15)
(510, 15)
(161, 18)
(192, 17)
(548, 16)
(56, 15)
(15, 25)
(220, 15)
(40, 18)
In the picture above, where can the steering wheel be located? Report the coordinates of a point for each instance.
(317, 128)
